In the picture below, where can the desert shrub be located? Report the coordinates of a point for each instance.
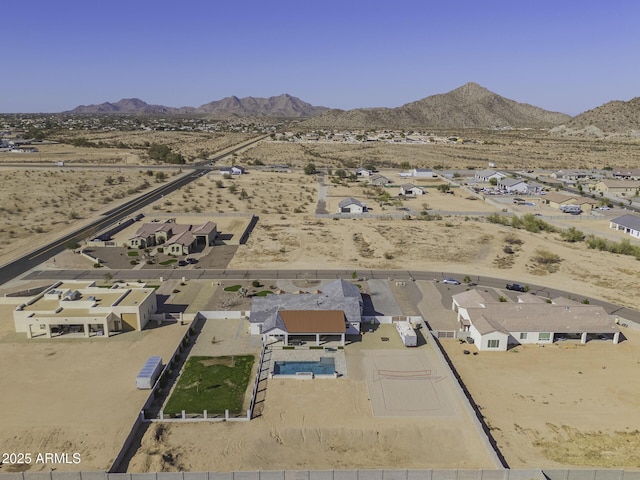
(513, 239)
(499, 219)
(572, 235)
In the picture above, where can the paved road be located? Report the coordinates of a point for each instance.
(226, 274)
(35, 258)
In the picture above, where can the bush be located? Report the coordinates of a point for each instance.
(255, 284)
(572, 235)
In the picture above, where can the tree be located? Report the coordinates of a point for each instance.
(161, 177)
(493, 181)
(444, 188)
(310, 169)
(107, 277)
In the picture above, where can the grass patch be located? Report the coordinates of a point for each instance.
(213, 384)
(232, 288)
(133, 253)
(263, 293)
(168, 262)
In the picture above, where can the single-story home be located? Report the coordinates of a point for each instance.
(487, 175)
(627, 174)
(493, 325)
(82, 308)
(628, 224)
(351, 205)
(423, 173)
(337, 312)
(513, 185)
(411, 189)
(618, 187)
(558, 200)
(178, 238)
(379, 180)
(362, 172)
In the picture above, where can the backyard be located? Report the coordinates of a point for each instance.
(214, 384)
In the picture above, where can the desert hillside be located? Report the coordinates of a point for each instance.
(470, 106)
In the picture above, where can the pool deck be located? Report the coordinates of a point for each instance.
(305, 354)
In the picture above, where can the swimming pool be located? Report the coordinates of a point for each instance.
(326, 366)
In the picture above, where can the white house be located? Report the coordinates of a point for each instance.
(410, 189)
(494, 325)
(423, 173)
(378, 179)
(351, 205)
(513, 185)
(362, 172)
(487, 175)
(628, 224)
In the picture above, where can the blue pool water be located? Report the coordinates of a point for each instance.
(326, 366)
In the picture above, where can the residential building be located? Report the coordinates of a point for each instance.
(627, 188)
(351, 205)
(82, 308)
(494, 326)
(513, 185)
(379, 180)
(336, 312)
(628, 223)
(411, 189)
(179, 239)
(487, 175)
(423, 173)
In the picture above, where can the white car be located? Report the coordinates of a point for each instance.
(450, 281)
(604, 208)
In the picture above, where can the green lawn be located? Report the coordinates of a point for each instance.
(169, 262)
(263, 293)
(233, 288)
(212, 384)
(133, 254)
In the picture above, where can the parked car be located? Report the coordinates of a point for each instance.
(450, 281)
(182, 263)
(604, 208)
(192, 261)
(516, 287)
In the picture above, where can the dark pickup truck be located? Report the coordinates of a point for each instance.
(516, 287)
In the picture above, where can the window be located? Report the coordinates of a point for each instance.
(544, 336)
(493, 343)
(523, 335)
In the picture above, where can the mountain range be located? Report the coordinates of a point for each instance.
(469, 106)
(282, 106)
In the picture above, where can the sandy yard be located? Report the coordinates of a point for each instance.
(561, 405)
(302, 426)
(73, 395)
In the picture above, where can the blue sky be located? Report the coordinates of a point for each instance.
(567, 56)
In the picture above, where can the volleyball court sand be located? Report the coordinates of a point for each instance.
(408, 383)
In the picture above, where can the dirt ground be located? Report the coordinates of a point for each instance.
(126, 148)
(302, 426)
(58, 201)
(73, 396)
(562, 405)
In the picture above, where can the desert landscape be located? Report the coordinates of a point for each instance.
(290, 235)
